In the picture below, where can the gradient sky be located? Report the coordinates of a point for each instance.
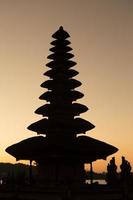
(101, 36)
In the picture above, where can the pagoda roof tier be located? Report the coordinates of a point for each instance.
(60, 34)
(64, 96)
(62, 63)
(57, 83)
(54, 73)
(58, 55)
(60, 43)
(61, 125)
(84, 149)
(63, 48)
(74, 109)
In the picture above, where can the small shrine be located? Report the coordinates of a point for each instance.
(59, 149)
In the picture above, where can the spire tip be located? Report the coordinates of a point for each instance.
(61, 28)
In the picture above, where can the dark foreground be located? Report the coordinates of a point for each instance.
(87, 192)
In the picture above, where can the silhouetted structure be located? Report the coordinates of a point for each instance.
(125, 174)
(112, 176)
(62, 153)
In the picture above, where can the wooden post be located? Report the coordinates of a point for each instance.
(91, 174)
(30, 172)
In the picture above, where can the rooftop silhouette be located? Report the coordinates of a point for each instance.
(62, 153)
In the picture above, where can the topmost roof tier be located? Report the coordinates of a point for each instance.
(60, 33)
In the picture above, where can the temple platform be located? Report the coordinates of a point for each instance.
(82, 193)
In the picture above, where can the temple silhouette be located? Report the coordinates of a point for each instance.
(59, 149)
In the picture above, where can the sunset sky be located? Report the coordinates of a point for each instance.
(102, 40)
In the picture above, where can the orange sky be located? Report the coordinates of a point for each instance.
(101, 36)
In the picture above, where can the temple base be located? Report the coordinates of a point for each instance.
(56, 173)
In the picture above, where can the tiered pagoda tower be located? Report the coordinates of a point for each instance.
(60, 122)
(62, 153)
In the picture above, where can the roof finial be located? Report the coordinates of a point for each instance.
(60, 33)
(61, 28)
